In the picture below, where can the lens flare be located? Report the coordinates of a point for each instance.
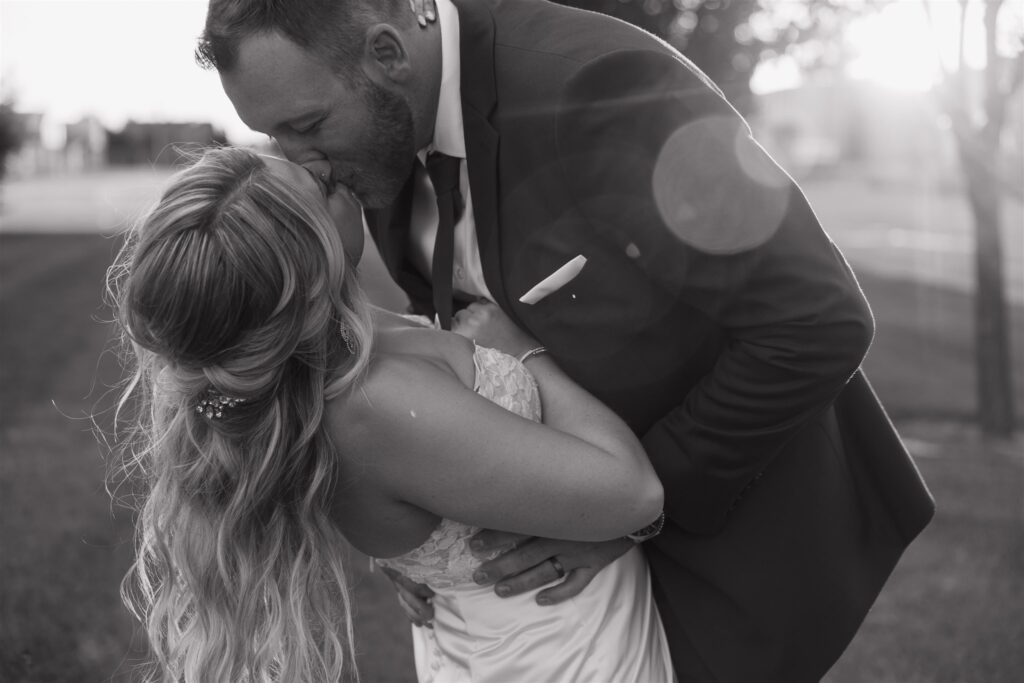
(716, 189)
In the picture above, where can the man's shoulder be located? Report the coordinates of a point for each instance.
(540, 47)
(540, 27)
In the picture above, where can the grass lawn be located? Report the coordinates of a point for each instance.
(953, 610)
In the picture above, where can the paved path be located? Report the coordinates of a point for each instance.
(104, 202)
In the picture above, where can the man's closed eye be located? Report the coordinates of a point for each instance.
(307, 128)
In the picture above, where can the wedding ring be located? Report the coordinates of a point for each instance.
(559, 569)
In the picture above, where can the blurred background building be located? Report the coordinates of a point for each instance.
(89, 146)
(834, 124)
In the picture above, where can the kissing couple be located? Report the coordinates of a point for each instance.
(622, 433)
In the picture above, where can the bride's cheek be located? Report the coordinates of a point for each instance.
(340, 215)
(344, 211)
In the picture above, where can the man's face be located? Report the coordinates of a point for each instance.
(363, 130)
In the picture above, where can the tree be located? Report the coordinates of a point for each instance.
(977, 109)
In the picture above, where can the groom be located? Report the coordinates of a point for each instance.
(711, 311)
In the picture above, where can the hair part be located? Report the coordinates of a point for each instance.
(236, 282)
(332, 30)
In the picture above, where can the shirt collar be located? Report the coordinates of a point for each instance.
(449, 137)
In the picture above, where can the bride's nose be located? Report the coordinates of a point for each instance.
(321, 169)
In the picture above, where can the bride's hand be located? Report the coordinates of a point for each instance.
(487, 325)
(413, 597)
(425, 11)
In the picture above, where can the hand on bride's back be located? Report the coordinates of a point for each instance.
(487, 325)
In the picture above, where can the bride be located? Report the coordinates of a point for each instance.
(274, 409)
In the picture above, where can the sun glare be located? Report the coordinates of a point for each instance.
(895, 48)
(900, 48)
(113, 59)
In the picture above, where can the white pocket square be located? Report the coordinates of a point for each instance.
(555, 281)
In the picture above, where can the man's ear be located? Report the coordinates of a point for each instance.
(386, 57)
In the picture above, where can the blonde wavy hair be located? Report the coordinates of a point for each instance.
(236, 283)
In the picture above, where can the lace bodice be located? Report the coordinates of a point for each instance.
(444, 560)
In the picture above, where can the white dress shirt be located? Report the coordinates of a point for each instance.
(449, 138)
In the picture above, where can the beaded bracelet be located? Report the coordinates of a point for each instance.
(536, 351)
(649, 531)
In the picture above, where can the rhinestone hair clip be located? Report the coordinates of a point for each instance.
(214, 405)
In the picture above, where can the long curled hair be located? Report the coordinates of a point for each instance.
(236, 284)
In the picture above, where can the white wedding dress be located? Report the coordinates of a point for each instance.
(610, 633)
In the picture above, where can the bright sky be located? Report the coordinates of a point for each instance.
(122, 59)
(117, 59)
(899, 47)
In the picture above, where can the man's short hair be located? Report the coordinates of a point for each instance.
(332, 30)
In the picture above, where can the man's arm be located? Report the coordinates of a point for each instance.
(710, 218)
(713, 221)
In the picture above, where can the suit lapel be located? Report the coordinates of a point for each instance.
(479, 97)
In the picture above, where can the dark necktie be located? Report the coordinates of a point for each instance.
(444, 175)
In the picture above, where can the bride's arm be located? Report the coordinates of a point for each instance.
(566, 406)
(425, 439)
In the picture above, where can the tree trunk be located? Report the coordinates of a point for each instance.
(979, 147)
(994, 379)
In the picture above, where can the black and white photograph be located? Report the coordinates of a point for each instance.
(511, 341)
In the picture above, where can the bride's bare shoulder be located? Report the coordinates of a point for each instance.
(394, 388)
(383, 383)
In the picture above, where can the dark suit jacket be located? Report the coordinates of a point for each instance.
(714, 314)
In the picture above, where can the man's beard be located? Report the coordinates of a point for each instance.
(387, 149)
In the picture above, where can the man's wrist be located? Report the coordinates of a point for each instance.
(648, 532)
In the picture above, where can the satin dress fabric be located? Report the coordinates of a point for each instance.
(611, 632)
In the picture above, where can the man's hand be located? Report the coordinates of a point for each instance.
(487, 325)
(425, 10)
(526, 564)
(413, 597)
